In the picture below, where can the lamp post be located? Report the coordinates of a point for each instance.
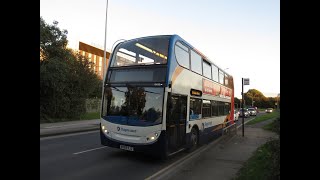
(252, 100)
(104, 59)
(105, 44)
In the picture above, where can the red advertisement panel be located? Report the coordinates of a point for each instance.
(208, 87)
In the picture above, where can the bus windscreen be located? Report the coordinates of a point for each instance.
(143, 51)
(135, 106)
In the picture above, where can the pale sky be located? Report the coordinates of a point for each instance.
(241, 36)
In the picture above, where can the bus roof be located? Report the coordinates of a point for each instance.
(176, 37)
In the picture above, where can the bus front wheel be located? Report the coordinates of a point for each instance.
(194, 139)
(165, 153)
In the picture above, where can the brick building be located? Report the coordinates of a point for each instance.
(94, 55)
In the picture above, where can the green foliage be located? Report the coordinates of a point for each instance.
(66, 79)
(273, 126)
(53, 41)
(89, 116)
(253, 95)
(276, 126)
(269, 126)
(237, 102)
(264, 164)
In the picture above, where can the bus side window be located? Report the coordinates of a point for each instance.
(191, 112)
(195, 108)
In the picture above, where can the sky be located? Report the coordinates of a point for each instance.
(240, 36)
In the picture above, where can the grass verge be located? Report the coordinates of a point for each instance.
(269, 126)
(86, 116)
(92, 115)
(264, 164)
(264, 117)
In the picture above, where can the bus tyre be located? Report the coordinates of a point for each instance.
(165, 153)
(194, 140)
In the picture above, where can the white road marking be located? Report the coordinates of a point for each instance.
(89, 150)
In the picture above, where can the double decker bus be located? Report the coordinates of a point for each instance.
(161, 96)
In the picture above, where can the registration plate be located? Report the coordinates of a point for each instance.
(128, 148)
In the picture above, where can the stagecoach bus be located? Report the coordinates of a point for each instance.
(161, 96)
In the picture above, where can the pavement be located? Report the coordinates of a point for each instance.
(220, 159)
(68, 127)
(223, 160)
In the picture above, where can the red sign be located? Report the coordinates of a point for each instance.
(208, 87)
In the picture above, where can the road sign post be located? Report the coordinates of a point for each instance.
(245, 81)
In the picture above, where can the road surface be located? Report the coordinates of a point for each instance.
(81, 156)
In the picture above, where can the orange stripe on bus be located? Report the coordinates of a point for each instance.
(176, 73)
(196, 50)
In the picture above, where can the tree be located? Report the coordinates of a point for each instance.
(237, 102)
(53, 41)
(253, 95)
(66, 79)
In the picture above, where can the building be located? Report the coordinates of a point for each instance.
(96, 56)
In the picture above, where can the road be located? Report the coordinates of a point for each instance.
(239, 122)
(69, 158)
(81, 156)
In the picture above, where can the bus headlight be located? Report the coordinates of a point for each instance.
(104, 129)
(153, 136)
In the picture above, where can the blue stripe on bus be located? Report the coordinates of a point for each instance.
(209, 133)
(169, 61)
(172, 63)
(125, 120)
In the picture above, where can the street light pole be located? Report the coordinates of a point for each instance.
(104, 58)
(105, 44)
(251, 101)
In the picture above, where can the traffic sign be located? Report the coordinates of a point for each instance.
(245, 81)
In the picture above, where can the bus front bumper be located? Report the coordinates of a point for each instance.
(154, 148)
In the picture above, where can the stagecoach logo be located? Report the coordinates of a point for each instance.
(126, 130)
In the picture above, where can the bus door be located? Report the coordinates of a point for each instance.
(176, 121)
